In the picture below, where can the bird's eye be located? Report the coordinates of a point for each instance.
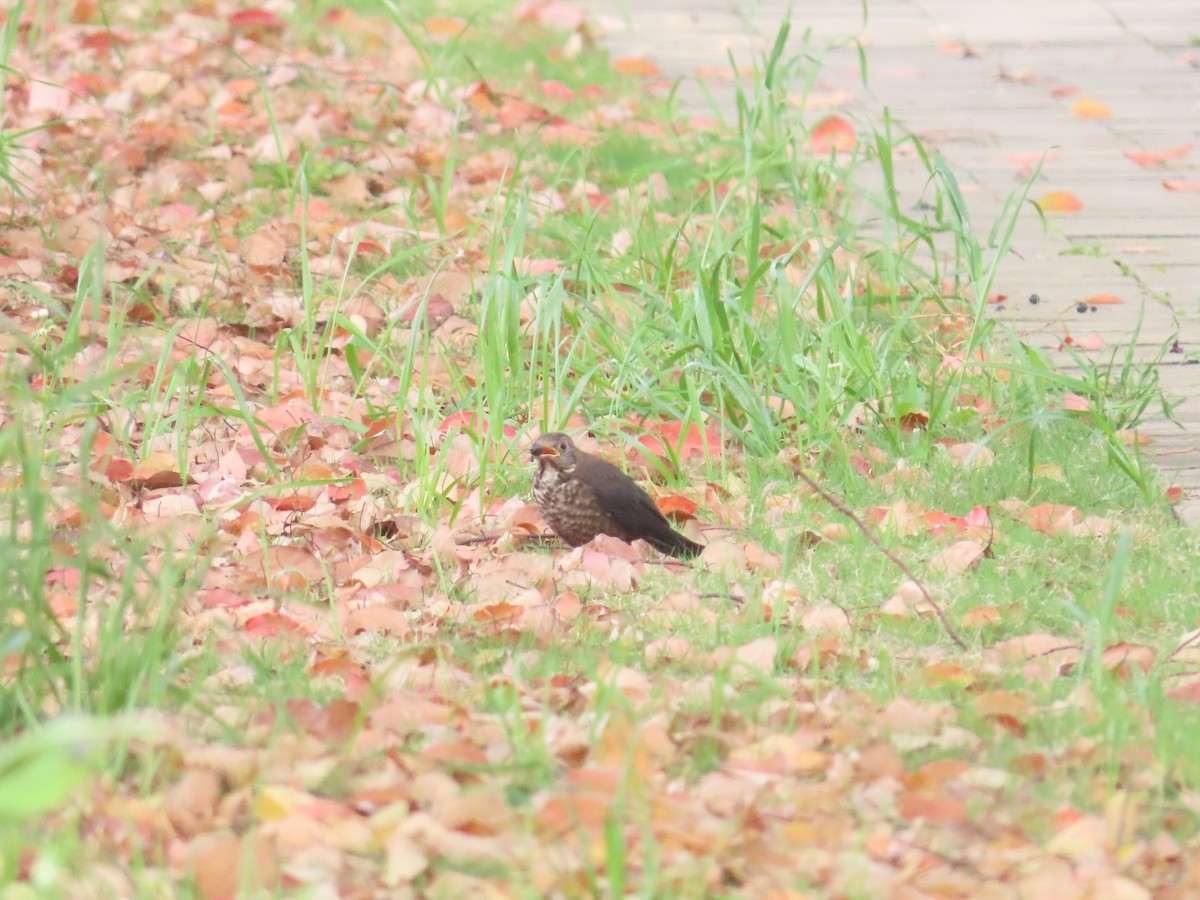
(562, 445)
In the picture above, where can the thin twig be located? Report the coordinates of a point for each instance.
(846, 511)
(1191, 640)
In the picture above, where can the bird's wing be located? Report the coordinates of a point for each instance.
(619, 496)
(633, 509)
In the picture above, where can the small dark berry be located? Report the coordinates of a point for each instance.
(1034, 299)
(1080, 307)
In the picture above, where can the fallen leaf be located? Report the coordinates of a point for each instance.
(931, 806)
(256, 18)
(1188, 693)
(677, 507)
(978, 616)
(1059, 201)
(958, 558)
(947, 673)
(635, 66)
(1190, 187)
(1153, 157)
(445, 26)
(758, 655)
(271, 625)
(264, 249)
(1091, 341)
(1104, 300)
(833, 133)
(1075, 403)
(1087, 108)
(1120, 658)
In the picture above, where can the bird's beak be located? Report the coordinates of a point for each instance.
(537, 451)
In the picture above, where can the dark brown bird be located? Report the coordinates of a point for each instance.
(581, 496)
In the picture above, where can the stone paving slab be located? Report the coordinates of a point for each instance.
(1134, 56)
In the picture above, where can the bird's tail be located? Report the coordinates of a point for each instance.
(675, 544)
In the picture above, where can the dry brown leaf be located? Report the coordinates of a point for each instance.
(958, 558)
(264, 249)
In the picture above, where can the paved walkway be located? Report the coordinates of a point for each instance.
(990, 83)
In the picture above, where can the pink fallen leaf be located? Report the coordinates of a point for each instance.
(256, 18)
(271, 625)
(1075, 402)
(1190, 187)
(1188, 693)
(695, 443)
(1154, 157)
(832, 133)
(1122, 657)
(958, 557)
(264, 249)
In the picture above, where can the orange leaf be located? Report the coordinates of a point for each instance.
(290, 503)
(1064, 90)
(1174, 494)
(518, 112)
(677, 507)
(233, 109)
(271, 624)
(1104, 300)
(119, 470)
(1060, 201)
(1153, 157)
(444, 26)
(832, 133)
(1087, 108)
(1182, 186)
(930, 806)
(499, 614)
(995, 703)
(947, 673)
(633, 65)
(978, 616)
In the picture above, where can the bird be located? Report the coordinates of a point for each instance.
(581, 496)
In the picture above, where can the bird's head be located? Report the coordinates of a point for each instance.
(555, 449)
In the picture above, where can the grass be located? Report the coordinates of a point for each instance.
(330, 625)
